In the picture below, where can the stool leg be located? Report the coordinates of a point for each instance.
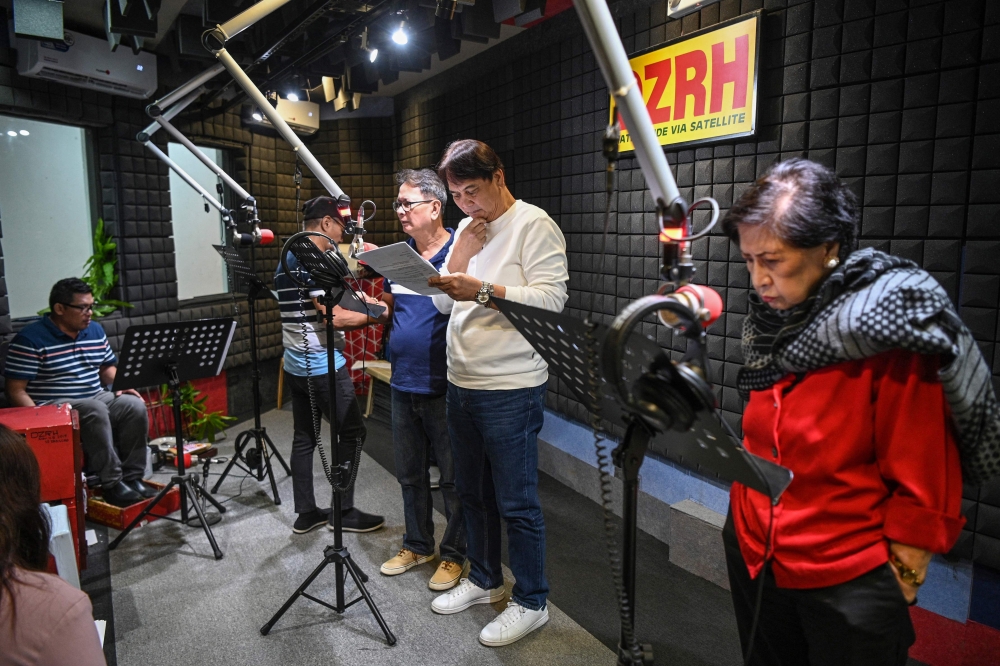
(371, 397)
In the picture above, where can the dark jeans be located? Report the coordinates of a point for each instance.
(352, 433)
(420, 428)
(113, 436)
(865, 621)
(494, 444)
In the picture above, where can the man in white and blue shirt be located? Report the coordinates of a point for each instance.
(418, 353)
(65, 358)
(303, 334)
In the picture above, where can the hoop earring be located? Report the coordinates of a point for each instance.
(833, 262)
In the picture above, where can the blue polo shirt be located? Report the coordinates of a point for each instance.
(303, 331)
(57, 366)
(417, 347)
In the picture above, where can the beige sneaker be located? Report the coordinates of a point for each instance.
(446, 576)
(403, 562)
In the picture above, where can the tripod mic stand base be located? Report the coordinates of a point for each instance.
(211, 517)
(625, 657)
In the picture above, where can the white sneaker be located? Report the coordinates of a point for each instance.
(465, 594)
(513, 624)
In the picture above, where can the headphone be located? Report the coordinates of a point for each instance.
(335, 268)
(668, 394)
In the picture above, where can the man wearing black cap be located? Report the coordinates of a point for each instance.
(304, 339)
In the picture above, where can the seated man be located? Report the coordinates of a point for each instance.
(66, 358)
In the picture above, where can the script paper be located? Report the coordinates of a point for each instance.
(401, 264)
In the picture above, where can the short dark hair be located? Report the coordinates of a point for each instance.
(24, 528)
(426, 181)
(803, 203)
(63, 291)
(468, 159)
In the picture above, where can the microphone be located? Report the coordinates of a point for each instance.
(704, 302)
(256, 237)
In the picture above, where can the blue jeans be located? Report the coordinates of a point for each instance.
(419, 429)
(494, 444)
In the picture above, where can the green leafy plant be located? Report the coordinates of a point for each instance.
(100, 273)
(201, 424)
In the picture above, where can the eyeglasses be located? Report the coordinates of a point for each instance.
(82, 308)
(407, 206)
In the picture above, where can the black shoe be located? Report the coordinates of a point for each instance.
(121, 495)
(307, 522)
(353, 520)
(143, 488)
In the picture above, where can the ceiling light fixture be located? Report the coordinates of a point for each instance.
(372, 55)
(11, 133)
(257, 115)
(25, 132)
(400, 35)
(292, 97)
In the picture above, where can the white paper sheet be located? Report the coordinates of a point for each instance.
(400, 263)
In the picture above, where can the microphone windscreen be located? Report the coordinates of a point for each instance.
(710, 299)
(266, 236)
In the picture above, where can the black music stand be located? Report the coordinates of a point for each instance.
(257, 459)
(155, 354)
(328, 271)
(567, 344)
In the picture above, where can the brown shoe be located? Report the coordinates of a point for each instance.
(446, 576)
(403, 562)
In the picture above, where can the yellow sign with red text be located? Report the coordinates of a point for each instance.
(702, 87)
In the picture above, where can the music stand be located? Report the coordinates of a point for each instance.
(155, 354)
(329, 270)
(567, 344)
(243, 279)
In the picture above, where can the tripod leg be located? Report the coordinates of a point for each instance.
(241, 442)
(265, 450)
(186, 483)
(356, 574)
(142, 514)
(291, 600)
(277, 454)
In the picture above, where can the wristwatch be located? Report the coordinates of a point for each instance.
(484, 294)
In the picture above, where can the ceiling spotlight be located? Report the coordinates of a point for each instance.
(372, 54)
(366, 46)
(25, 132)
(400, 35)
(257, 115)
(11, 133)
(292, 97)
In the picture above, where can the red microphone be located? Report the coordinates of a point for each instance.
(257, 237)
(703, 301)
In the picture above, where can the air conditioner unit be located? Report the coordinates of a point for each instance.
(678, 8)
(86, 62)
(302, 117)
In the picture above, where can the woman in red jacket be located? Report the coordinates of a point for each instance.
(860, 379)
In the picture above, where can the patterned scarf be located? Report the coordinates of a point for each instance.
(871, 304)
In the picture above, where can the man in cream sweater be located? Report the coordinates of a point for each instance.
(496, 384)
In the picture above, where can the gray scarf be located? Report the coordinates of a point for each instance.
(871, 304)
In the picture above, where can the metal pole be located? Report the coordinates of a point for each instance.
(599, 26)
(279, 123)
(215, 168)
(184, 89)
(188, 179)
(245, 19)
(145, 134)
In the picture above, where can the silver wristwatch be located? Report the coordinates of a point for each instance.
(484, 294)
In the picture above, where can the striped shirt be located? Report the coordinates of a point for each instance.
(303, 332)
(56, 365)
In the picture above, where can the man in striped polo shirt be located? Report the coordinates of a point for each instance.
(303, 334)
(65, 358)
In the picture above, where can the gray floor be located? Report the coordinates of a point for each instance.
(175, 604)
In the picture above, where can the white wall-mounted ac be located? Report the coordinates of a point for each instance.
(302, 117)
(678, 8)
(87, 62)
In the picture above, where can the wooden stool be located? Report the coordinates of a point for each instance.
(380, 370)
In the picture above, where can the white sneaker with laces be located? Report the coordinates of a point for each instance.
(513, 624)
(464, 595)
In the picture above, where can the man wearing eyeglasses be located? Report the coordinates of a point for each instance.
(65, 358)
(417, 351)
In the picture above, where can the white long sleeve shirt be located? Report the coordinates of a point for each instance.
(526, 253)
